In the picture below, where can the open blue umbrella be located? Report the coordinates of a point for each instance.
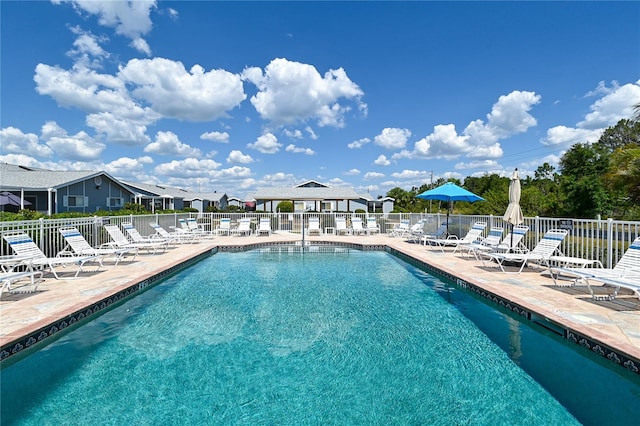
(449, 192)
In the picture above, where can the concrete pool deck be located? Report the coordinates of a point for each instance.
(610, 328)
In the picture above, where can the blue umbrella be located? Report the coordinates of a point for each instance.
(449, 192)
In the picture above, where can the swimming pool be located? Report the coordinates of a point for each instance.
(346, 337)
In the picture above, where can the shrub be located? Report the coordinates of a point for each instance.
(285, 207)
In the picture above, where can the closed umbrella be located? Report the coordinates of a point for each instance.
(513, 215)
(449, 192)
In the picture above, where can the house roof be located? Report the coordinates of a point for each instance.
(13, 177)
(306, 193)
(163, 190)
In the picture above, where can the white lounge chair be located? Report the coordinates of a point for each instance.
(400, 229)
(224, 227)
(341, 226)
(540, 254)
(313, 226)
(196, 228)
(136, 237)
(77, 245)
(243, 228)
(489, 243)
(20, 270)
(23, 245)
(357, 228)
(264, 226)
(625, 272)
(177, 236)
(512, 242)
(440, 232)
(119, 240)
(416, 231)
(474, 234)
(372, 226)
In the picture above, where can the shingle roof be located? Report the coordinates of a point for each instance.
(297, 193)
(14, 177)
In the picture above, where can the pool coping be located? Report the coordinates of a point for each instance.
(41, 336)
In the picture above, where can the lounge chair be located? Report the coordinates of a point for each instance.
(119, 240)
(439, 233)
(372, 226)
(357, 227)
(20, 270)
(177, 236)
(264, 226)
(23, 245)
(313, 226)
(400, 229)
(136, 237)
(224, 227)
(627, 269)
(77, 245)
(473, 235)
(196, 228)
(512, 242)
(341, 226)
(243, 228)
(540, 254)
(416, 231)
(489, 243)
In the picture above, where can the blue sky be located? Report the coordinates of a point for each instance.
(232, 96)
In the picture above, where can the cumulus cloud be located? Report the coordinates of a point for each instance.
(359, 143)
(236, 156)
(222, 137)
(188, 167)
(292, 92)
(382, 161)
(392, 138)
(130, 19)
(266, 144)
(16, 142)
(417, 175)
(567, 136)
(352, 172)
(171, 90)
(299, 150)
(311, 133)
(486, 165)
(79, 147)
(293, 134)
(443, 142)
(168, 143)
(118, 130)
(373, 175)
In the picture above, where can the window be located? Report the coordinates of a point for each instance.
(115, 201)
(327, 206)
(75, 201)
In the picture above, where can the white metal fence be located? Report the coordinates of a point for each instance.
(604, 240)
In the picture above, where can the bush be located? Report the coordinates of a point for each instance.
(285, 207)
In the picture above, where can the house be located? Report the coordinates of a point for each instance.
(57, 191)
(313, 196)
(161, 197)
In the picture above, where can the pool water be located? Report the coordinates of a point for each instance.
(348, 337)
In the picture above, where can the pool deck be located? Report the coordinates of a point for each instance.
(613, 324)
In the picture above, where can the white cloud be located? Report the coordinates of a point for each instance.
(188, 167)
(16, 142)
(130, 19)
(311, 133)
(291, 92)
(168, 143)
(567, 136)
(373, 175)
(417, 175)
(444, 142)
(359, 143)
(266, 144)
(382, 161)
(486, 164)
(299, 150)
(194, 95)
(616, 104)
(392, 138)
(222, 137)
(352, 172)
(120, 131)
(293, 134)
(236, 156)
(80, 147)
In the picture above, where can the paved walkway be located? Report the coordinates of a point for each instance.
(615, 324)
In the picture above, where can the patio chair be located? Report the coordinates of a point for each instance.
(224, 227)
(119, 240)
(512, 242)
(197, 228)
(400, 229)
(264, 226)
(540, 254)
(136, 237)
(23, 245)
(313, 226)
(177, 236)
(627, 268)
(341, 226)
(473, 235)
(356, 226)
(243, 228)
(372, 226)
(440, 232)
(20, 270)
(77, 245)
(489, 243)
(416, 231)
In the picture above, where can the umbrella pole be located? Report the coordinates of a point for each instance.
(511, 245)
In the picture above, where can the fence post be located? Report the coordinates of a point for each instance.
(609, 243)
(41, 239)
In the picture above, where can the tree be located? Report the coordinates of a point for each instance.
(620, 135)
(636, 113)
